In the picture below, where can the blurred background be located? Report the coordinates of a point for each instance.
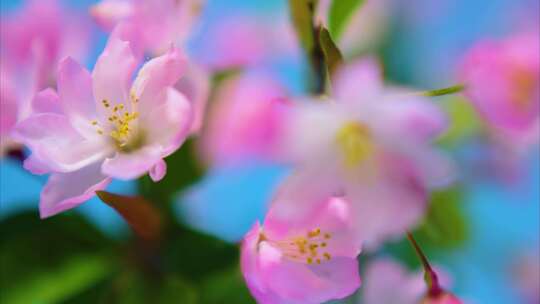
(484, 231)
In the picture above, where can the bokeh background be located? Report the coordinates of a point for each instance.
(482, 231)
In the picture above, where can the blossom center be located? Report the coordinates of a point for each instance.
(307, 249)
(354, 140)
(525, 84)
(120, 125)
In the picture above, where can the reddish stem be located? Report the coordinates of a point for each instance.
(434, 289)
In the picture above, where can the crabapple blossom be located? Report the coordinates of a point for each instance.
(503, 83)
(369, 144)
(32, 41)
(246, 121)
(151, 27)
(96, 128)
(311, 260)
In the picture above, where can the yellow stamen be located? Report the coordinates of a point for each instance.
(355, 142)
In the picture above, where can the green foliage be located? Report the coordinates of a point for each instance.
(302, 18)
(464, 121)
(332, 55)
(445, 224)
(445, 91)
(49, 261)
(339, 14)
(225, 287)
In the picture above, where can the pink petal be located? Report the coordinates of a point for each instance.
(332, 216)
(359, 82)
(250, 268)
(112, 74)
(54, 141)
(75, 90)
(301, 283)
(387, 282)
(195, 85)
(108, 13)
(388, 205)
(158, 171)
(64, 191)
(246, 121)
(175, 116)
(36, 166)
(132, 165)
(46, 101)
(155, 77)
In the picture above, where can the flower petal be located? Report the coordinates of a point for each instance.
(132, 165)
(158, 171)
(64, 191)
(112, 74)
(150, 85)
(54, 141)
(359, 82)
(300, 283)
(174, 116)
(195, 85)
(109, 13)
(76, 97)
(46, 101)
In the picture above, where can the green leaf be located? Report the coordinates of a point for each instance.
(445, 224)
(302, 17)
(339, 14)
(464, 121)
(194, 255)
(47, 261)
(332, 55)
(72, 276)
(444, 91)
(139, 213)
(226, 287)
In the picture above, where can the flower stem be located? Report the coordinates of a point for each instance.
(432, 281)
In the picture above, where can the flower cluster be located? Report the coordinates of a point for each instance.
(363, 155)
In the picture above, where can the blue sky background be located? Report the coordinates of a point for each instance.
(504, 219)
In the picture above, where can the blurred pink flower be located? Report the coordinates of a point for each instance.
(96, 128)
(388, 282)
(33, 40)
(244, 40)
(503, 82)
(158, 23)
(443, 298)
(312, 260)
(152, 26)
(246, 120)
(370, 144)
(526, 276)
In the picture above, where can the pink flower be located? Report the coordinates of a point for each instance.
(244, 40)
(96, 128)
(152, 26)
(502, 79)
(33, 39)
(443, 298)
(388, 282)
(370, 144)
(246, 120)
(158, 23)
(312, 260)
